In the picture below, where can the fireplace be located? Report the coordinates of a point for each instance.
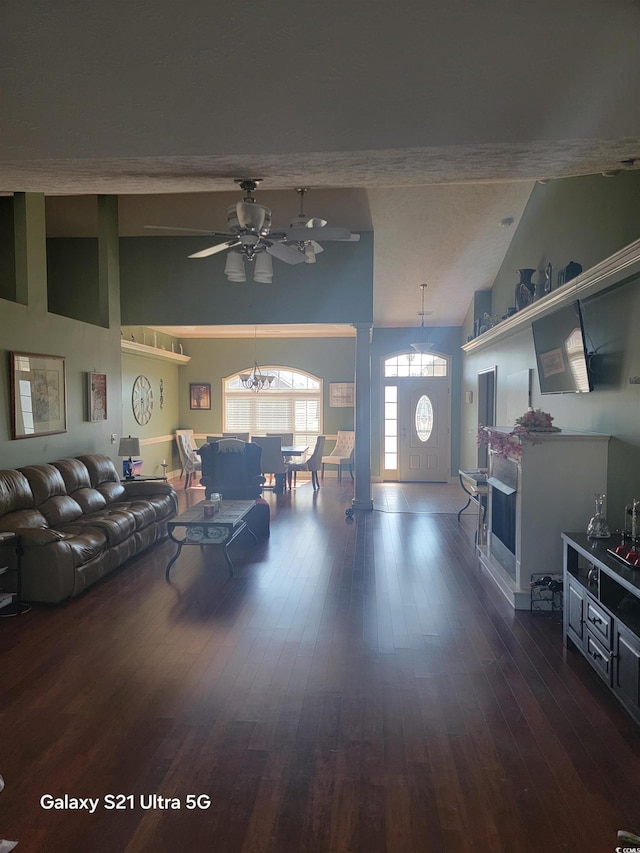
(503, 484)
(548, 488)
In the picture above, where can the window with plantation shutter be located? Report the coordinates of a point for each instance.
(293, 403)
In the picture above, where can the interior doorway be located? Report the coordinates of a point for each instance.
(416, 419)
(486, 408)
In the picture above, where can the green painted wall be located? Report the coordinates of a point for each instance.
(161, 285)
(157, 442)
(331, 359)
(585, 220)
(30, 327)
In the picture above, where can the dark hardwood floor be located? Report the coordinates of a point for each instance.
(359, 685)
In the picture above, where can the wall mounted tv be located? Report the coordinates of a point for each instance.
(561, 353)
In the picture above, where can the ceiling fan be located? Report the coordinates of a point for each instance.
(250, 237)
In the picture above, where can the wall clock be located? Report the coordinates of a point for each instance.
(142, 400)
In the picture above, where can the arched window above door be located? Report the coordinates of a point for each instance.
(416, 364)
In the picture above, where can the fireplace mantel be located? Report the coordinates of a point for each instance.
(557, 478)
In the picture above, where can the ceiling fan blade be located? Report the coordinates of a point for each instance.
(302, 234)
(288, 254)
(250, 215)
(317, 248)
(189, 230)
(212, 250)
(315, 222)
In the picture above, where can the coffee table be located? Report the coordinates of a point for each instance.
(219, 529)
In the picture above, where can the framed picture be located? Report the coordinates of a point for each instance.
(199, 395)
(97, 396)
(341, 394)
(38, 395)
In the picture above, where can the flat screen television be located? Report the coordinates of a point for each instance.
(561, 353)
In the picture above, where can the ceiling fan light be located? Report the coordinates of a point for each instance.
(263, 270)
(234, 267)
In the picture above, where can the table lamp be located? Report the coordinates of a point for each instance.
(128, 447)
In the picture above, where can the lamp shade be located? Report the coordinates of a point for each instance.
(263, 270)
(234, 267)
(129, 447)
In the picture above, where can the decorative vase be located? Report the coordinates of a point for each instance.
(525, 289)
(598, 527)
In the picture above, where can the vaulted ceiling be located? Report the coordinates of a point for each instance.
(427, 122)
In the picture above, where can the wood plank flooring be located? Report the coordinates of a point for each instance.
(359, 686)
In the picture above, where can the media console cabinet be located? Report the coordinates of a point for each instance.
(602, 614)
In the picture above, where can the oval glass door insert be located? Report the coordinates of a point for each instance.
(424, 418)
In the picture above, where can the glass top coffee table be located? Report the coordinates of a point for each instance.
(219, 529)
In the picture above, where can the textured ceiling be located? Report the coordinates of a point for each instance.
(428, 123)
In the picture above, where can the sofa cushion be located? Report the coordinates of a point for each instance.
(50, 494)
(84, 543)
(17, 505)
(104, 477)
(116, 525)
(78, 484)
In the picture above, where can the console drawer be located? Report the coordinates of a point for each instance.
(599, 622)
(599, 657)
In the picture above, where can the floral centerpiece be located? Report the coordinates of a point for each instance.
(509, 444)
(535, 420)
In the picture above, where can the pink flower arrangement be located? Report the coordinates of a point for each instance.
(535, 420)
(509, 444)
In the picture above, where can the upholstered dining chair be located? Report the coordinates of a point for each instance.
(286, 440)
(312, 464)
(189, 459)
(241, 436)
(272, 461)
(231, 467)
(342, 453)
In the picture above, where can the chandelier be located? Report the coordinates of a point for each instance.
(422, 345)
(256, 380)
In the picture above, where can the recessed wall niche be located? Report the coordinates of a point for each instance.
(72, 257)
(7, 250)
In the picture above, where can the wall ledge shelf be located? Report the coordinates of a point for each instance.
(134, 348)
(617, 269)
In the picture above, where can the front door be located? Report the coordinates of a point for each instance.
(424, 445)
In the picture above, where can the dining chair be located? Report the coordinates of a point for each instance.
(189, 459)
(286, 439)
(272, 460)
(242, 436)
(342, 453)
(312, 464)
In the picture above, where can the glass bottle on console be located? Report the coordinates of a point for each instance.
(598, 527)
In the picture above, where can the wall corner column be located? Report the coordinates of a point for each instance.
(362, 494)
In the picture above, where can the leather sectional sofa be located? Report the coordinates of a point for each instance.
(78, 522)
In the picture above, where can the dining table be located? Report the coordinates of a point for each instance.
(288, 451)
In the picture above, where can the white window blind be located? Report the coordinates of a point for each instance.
(293, 403)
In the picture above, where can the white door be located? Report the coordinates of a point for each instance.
(424, 433)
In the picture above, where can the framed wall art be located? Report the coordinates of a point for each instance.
(38, 395)
(199, 395)
(341, 394)
(97, 396)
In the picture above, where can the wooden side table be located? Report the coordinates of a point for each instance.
(474, 483)
(11, 550)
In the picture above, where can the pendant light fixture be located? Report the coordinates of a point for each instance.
(422, 345)
(256, 380)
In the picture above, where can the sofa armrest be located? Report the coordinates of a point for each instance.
(147, 488)
(37, 536)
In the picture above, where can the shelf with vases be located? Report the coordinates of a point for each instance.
(134, 348)
(619, 268)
